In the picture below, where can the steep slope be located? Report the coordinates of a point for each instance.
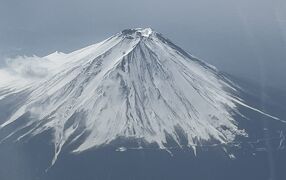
(136, 85)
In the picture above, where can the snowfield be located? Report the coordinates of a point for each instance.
(136, 84)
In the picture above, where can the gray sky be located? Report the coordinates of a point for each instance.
(246, 38)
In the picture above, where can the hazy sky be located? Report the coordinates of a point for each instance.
(246, 38)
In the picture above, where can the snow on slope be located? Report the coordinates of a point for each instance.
(136, 84)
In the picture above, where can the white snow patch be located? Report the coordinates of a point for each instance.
(145, 32)
(121, 149)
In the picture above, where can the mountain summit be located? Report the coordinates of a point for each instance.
(139, 31)
(136, 85)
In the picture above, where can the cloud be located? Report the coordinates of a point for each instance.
(27, 67)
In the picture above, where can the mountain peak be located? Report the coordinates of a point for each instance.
(146, 32)
(142, 32)
(149, 91)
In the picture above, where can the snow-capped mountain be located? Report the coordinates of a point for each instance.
(136, 85)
